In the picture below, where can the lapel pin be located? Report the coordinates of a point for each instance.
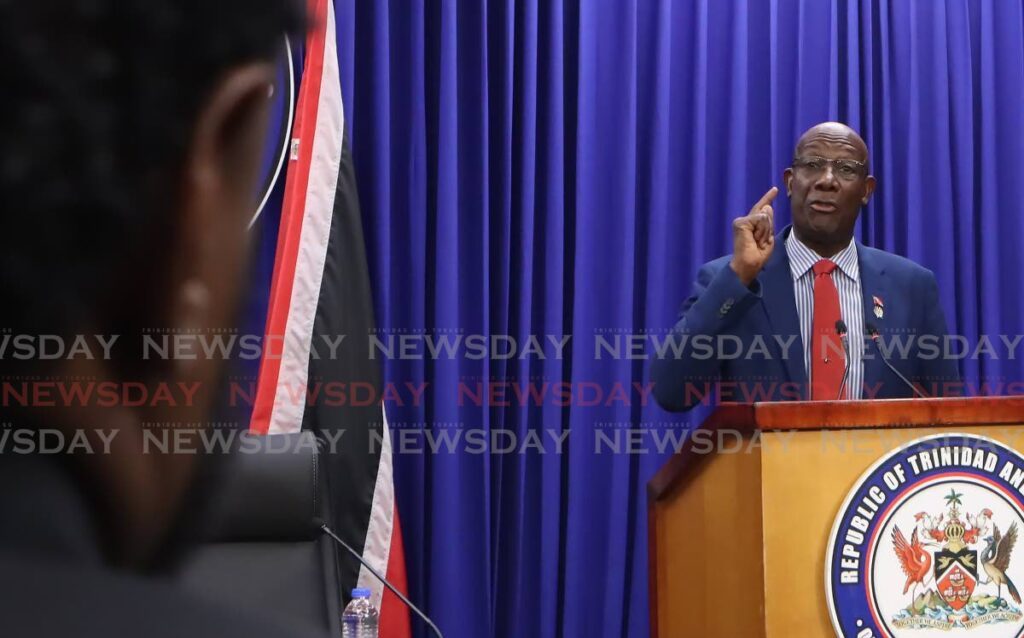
(879, 306)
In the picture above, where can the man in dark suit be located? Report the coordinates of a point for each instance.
(133, 133)
(769, 321)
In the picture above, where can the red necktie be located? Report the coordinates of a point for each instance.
(827, 357)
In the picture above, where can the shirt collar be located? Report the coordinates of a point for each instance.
(802, 258)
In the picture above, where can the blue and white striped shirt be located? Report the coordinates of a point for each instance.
(851, 303)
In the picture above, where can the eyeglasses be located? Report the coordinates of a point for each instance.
(845, 169)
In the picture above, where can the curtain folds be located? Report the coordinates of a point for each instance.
(562, 167)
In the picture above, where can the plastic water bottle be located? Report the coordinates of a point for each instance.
(360, 618)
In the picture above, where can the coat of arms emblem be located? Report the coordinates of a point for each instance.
(925, 545)
(949, 555)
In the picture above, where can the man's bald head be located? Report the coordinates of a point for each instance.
(833, 133)
(827, 185)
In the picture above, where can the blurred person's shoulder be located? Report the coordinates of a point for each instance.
(42, 597)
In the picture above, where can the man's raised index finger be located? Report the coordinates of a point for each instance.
(766, 199)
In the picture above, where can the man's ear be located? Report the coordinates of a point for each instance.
(787, 179)
(869, 188)
(217, 197)
(143, 487)
(227, 144)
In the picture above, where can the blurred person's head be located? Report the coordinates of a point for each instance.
(132, 136)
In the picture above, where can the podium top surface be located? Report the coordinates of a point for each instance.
(823, 415)
(842, 415)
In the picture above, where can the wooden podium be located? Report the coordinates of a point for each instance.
(739, 519)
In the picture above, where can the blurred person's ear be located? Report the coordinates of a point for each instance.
(148, 493)
(218, 193)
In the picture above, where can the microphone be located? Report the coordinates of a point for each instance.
(844, 335)
(408, 603)
(873, 332)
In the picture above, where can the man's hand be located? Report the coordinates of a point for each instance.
(753, 238)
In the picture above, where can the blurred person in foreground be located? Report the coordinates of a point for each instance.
(132, 132)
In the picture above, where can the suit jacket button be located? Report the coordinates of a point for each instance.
(726, 307)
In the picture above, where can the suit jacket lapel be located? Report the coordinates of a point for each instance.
(872, 284)
(780, 305)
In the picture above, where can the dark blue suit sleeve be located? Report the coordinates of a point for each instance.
(717, 303)
(935, 371)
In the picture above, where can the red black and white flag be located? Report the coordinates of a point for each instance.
(321, 314)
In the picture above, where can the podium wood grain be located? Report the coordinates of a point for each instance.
(714, 529)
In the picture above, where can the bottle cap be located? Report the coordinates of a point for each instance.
(360, 592)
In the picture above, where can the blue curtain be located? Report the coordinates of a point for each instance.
(564, 166)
